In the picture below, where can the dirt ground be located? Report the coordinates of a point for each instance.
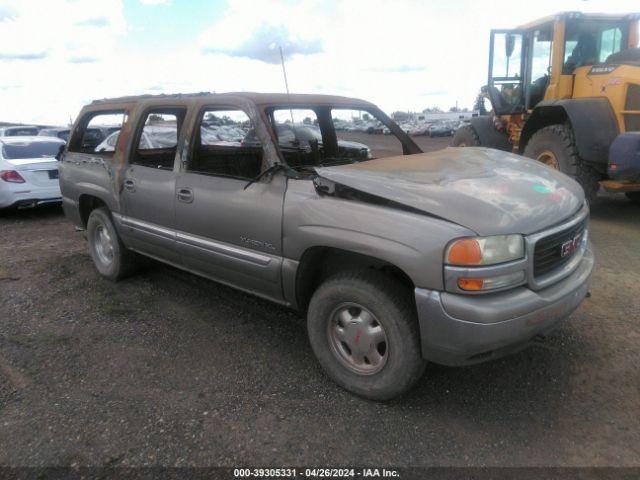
(169, 369)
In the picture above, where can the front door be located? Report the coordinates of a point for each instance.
(223, 230)
(506, 71)
(149, 185)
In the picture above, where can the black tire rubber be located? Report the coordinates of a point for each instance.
(466, 136)
(393, 307)
(560, 140)
(633, 196)
(125, 262)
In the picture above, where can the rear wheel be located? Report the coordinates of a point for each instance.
(111, 258)
(465, 136)
(555, 146)
(363, 330)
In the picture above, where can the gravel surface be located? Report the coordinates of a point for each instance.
(169, 369)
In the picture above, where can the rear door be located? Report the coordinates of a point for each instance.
(149, 183)
(227, 229)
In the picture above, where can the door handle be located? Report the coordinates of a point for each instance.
(185, 195)
(130, 185)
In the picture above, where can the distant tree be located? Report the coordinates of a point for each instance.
(366, 117)
(154, 118)
(432, 110)
(307, 121)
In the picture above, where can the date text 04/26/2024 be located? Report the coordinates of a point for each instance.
(315, 473)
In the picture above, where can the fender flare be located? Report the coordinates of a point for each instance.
(592, 121)
(489, 136)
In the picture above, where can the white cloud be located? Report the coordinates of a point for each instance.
(406, 54)
(264, 44)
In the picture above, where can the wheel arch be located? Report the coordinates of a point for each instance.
(317, 263)
(592, 121)
(87, 202)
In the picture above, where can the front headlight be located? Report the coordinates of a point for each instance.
(473, 251)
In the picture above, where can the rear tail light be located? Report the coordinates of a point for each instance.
(11, 176)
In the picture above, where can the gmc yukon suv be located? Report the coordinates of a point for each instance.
(397, 257)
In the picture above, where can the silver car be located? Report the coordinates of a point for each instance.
(29, 171)
(456, 256)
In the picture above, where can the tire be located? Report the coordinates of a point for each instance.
(633, 196)
(555, 145)
(465, 136)
(366, 294)
(110, 257)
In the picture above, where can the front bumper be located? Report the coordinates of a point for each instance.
(464, 329)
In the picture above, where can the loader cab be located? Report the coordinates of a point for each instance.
(537, 61)
(520, 64)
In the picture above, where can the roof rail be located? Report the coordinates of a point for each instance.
(131, 98)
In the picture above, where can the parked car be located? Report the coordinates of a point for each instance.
(456, 256)
(60, 132)
(421, 129)
(152, 137)
(95, 135)
(29, 171)
(440, 129)
(18, 131)
(293, 140)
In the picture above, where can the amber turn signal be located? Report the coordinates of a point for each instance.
(472, 284)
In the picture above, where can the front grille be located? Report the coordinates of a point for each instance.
(632, 122)
(632, 102)
(547, 255)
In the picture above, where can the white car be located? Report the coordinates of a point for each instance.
(29, 171)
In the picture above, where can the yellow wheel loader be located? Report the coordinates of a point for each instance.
(565, 90)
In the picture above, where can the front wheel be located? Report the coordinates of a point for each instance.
(363, 330)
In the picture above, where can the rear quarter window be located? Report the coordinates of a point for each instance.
(94, 129)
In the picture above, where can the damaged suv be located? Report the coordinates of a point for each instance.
(397, 257)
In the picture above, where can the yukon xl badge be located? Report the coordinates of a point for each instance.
(257, 243)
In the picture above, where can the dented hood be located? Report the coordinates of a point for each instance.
(488, 191)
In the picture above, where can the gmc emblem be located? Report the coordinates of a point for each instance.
(570, 246)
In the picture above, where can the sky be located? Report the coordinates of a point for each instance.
(57, 55)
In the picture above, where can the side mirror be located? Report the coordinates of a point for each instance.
(60, 153)
(509, 44)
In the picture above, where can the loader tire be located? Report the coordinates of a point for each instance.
(465, 136)
(555, 146)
